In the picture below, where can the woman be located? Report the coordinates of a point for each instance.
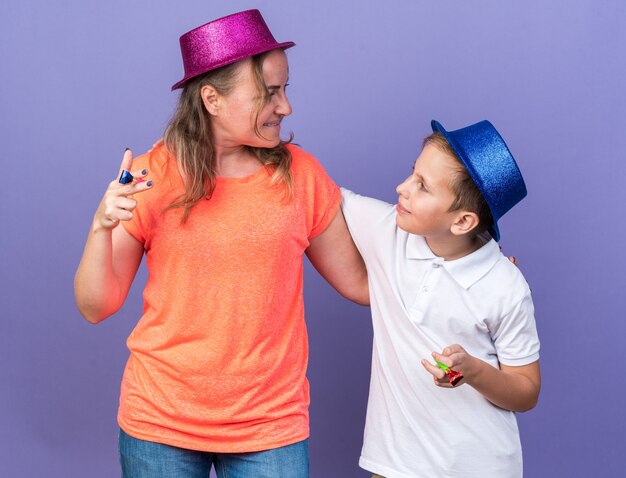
(223, 210)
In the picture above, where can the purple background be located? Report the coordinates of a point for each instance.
(81, 80)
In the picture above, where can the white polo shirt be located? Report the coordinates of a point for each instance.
(420, 304)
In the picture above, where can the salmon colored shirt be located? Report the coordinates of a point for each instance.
(219, 356)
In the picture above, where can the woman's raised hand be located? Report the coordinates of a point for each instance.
(117, 204)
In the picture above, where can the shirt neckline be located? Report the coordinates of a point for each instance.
(466, 270)
(261, 171)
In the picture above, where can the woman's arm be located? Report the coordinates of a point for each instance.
(337, 259)
(106, 271)
(111, 256)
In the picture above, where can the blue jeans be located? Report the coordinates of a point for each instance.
(145, 459)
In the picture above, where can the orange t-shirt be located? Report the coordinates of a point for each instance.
(219, 356)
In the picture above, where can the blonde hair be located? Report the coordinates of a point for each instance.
(467, 195)
(188, 137)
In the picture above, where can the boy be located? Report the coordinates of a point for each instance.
(437, 288)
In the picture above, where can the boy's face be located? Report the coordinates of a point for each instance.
(425, 196)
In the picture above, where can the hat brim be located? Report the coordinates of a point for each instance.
(234, 59)
(493, 230)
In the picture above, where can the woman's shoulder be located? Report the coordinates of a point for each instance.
(303, 161)
(297, 152)
(157, 160)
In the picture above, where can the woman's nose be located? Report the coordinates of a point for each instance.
(284, 107)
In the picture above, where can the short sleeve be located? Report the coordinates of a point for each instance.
(136, 227)
(141, 225)
(368, 219)
(515, 335)
(321, 195)
(327, 200)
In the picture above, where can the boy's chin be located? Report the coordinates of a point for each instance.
(405, 228)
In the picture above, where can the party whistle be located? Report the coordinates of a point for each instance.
(126, 177)
(454, 377)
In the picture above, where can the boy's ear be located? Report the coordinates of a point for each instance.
(210, 99)
(464, 222)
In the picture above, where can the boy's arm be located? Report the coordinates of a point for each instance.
(512, 388)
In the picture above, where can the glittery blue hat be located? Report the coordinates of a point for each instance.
(487, 158)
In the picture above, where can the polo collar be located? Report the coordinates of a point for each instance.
(467, 270)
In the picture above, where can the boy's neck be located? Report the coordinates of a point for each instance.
(453, 247)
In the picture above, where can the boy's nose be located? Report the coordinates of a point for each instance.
(402, 189)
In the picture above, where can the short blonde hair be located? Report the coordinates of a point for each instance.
(467, 195)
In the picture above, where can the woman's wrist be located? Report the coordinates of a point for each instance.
(99, 225)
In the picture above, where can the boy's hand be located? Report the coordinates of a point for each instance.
(453, 356)
(509, 387)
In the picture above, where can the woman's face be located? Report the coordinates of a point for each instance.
(235, 121)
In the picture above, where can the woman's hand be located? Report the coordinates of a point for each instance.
(117, 204)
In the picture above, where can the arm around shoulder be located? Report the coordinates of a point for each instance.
(336, 258)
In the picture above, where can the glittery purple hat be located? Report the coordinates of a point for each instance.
(225, 41)
(491, 165)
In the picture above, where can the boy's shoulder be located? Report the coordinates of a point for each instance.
(372, 223)
(353, 202)
(506, 272)
(503, 282)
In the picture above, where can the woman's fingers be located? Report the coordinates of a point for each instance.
(125, 176)
(125, 203)
(127, 161)
(139, 175)
(118, 204)
(118, 208)
(117, 189)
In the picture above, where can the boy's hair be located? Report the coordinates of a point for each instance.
(467, 195)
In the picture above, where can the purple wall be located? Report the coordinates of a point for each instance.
(81, 80)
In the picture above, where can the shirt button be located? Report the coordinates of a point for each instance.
(425, 289)
(435, 266)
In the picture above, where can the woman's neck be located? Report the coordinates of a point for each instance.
(235, 162)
